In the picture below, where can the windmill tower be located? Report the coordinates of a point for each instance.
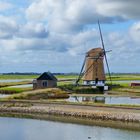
(94, 68)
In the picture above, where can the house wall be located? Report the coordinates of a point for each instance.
(39, 84)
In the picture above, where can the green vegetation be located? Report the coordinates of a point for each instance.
(79, 89)
(4, 77)
(51, 93)
(14, 83)
(66, 84)
(115, 77)
(11, 90)
(123, 77)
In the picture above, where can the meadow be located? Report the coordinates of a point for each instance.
(120, 85)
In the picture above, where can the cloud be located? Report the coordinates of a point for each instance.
(72, 16)
(135, 32)
(119, 8)
(5, 6)
(8, 27)
(33, 30)
(55, 35)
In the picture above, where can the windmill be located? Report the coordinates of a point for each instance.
(92, 70)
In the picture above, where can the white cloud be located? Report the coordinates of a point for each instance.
(8, 27)
(135, 32)
(33, 30)
(5, 6)
(70, 16)
(56, 33)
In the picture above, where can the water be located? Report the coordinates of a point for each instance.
(3, 95)
(14, 80)
(122, 100)
(28, 129)
(105, 100)
(127, 81)
(21, 86)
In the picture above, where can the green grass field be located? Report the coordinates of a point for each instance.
(115, 77)
(5, 77)
(118, 86)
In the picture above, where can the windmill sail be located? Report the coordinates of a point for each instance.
(104, 51)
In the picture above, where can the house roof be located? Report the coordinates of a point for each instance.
(47, 76)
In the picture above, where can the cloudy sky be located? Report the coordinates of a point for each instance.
(53, 35)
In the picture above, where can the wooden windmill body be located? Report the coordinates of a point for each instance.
(94, 68)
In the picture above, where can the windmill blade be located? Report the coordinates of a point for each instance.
(104, 51)
(80, 74)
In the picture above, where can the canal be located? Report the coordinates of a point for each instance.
(30, 129)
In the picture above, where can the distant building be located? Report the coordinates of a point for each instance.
(135, 84)
(46, 80)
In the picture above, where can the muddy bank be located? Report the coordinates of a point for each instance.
(92, 114)
(84, 121)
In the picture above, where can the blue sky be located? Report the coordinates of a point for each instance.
(53, 35)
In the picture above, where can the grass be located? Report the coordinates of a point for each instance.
(7, 90)
(123, 77)
(79, 89)
(121, 88)
(50, 93)
(115, 77)
(14, 83)
(4, 77)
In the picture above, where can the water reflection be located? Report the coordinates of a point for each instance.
(106, 100)
(3, 95)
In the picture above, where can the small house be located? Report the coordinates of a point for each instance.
(135, 84)
(46, 80)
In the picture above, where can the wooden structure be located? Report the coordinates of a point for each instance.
(46, 80)
(94, 68)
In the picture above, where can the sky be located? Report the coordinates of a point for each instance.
(54, 35)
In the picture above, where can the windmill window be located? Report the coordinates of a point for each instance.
(45, 84)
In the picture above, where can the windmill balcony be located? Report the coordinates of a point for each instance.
(94, 83)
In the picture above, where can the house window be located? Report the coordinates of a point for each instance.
(45, 84)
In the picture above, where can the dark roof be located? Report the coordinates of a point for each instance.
(47, 76)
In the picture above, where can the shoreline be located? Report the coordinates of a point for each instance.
(104, 116)
(80, 121)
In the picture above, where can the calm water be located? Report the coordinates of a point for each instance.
(3, 95)
(28, 129)
(21, 86)
(14, 80)
(106, 100)
(127, 81)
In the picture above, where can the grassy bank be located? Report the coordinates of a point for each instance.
(53, 93)
(7, 90)
(76, 111)
(14, 83)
